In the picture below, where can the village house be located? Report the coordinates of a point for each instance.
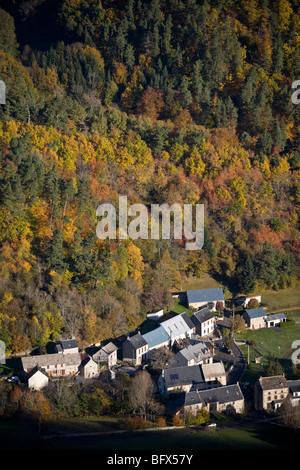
(214, 374)
(178, 327)
(270, 392)
(258, 318)
(255, 318)
(294, 388)
(88, 368)
(107, 354)
(155, 315)
(37, 379)
(180, 379)
(211, 298)
(187, 378)
(243, 301)
(194, 354)
(274, 319)
(156, 339)
(135, 349)
(67, 346)
(204, 321)
(228, 399)
(55, 365)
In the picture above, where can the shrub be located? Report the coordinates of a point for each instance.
(161, 422)
(287, 324)
(202, 417)
(176, 421)
(136, 422)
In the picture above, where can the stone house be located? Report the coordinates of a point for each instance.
(197, 353)
(88, 368)
(55, 365)
(228, 399)
(270, 392)
(255, 318)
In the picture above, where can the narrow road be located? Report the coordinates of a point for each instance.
(239, 365)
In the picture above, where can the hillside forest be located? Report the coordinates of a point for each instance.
(164, 101)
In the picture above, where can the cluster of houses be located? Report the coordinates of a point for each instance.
(192, 374)
(66, 361)
(138, 348)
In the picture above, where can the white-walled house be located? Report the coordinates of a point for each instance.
(67, 346)
(157, 338)
(135, 349)
(204, 321)
(180, 379)
(108, 354)
(37, 379)
(178, 327)
(205, 297)
(294, 387)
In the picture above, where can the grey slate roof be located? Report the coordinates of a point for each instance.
(156, 337)
(196, 352)
(223, 394)
(202, 315)
(35, 370)
(205, 295)
(44, 360)
(210, 371)
(137, 341)
(109, 348)
(180, 376)
(294, 385)
(256, 312)
(177, 325)
(273, 383)
(187, 320)
(69, 343)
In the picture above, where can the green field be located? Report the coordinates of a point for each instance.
(250, 437)
(204, 282)
(284, 298)
(273, 300)
(276, 343)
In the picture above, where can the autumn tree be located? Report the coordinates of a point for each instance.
(142, 395)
